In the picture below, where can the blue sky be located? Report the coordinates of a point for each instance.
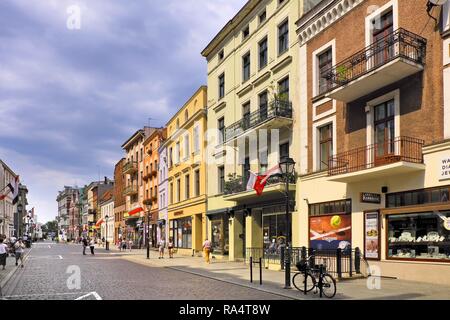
(70, 98)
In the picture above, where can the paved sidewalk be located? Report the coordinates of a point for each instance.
(10, 269)
(273, 281)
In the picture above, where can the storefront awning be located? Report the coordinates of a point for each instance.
(133, 213)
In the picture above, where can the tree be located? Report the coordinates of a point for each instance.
(51, 226)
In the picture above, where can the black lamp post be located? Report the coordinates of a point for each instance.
(287, 166)
(106, 233)
(19, 212)
(147, 231)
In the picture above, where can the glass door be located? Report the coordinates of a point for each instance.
(382, 38)
(384, 130)
(245, 170)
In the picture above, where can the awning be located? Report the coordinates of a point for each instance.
(99, 222)
(134, 212)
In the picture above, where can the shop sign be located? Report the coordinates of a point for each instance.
(372, 235)
(367, 197)
(444, 168)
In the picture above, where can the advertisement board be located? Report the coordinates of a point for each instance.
(330, 232)
(372, 235)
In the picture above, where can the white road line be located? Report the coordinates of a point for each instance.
(45, 294)
(49, 247)
(95, 294)
(60, 257)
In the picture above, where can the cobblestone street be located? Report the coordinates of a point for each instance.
(107, 276)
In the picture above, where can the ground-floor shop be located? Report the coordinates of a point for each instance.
(398, 215)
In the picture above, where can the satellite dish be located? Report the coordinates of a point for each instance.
(438, 2)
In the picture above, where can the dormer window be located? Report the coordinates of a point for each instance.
(246, 32)
(221, 55)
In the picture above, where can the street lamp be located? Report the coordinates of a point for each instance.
(19, 212)
(147, 235)
(287, 167)
(106, 232)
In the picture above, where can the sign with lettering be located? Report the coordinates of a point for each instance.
(444, 168)
(367, 197)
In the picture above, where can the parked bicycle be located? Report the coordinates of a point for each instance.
(314, 278)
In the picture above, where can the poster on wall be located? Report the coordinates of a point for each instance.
(444, 167)
(330, 232)
(372, 235)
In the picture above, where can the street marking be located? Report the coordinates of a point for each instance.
(44, 294)
(95, 294)
(60, 257)
(49, 247)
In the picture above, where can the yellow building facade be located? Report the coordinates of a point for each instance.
(187, 174)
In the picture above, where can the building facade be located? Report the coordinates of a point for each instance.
(151, 196)
(95, 191)
(20, 213)
(107, 215)
(67, 213)
(7, 208)
(187, 174)
(119, 200)
(134, 188)
(252, 119)
(375, 175)
(163, 191)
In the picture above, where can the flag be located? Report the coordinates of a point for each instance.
(12, 188)
(258, 182)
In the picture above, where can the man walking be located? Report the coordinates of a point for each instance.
(207, 250)
(3, 253)
(85, 244)
(19, 248)
(92, 246)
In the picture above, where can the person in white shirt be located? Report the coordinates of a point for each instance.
(19, 247)
(3, 253)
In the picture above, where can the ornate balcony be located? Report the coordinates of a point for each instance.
(148, 202)
(399, 155)
(130, 167)
(236, 187)
(277, 114)
(388, 60)
(130, 190)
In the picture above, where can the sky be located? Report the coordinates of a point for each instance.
(73, 90)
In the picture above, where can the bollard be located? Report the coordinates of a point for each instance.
(260, 271)
(321, 280)
(339, 263)
(251, 269)
(358, 260)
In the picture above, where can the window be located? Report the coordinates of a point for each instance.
(383, 28)
(187, 188)
(246, 32)
(171, 193)
(418, 197)
(331, 207)
(197, 183)
(262, 17)
(284, 151)
(221, 55)
(186, 116)
(280, 2)
(180, 231)
(177, 153)
(142, 154)
(263, 160)
(325, 145)
(246, 67)
(384, 129)
(221, 127)
(419, 236)
(142, 178)
(246, 115)
(186, 147)
(263, 106)
(178, 190)
(283, 89)
(283, 37)
(170, 157)
(221, 172)
(178, 124)
(325, 64)
(446, 17)
(263, 53)
(221, 86)
(196, 139)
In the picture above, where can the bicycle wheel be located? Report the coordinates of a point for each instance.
(328, 286)
(299, 282)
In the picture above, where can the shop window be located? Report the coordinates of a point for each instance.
(331, 207)
(422, 236)
(219, 238)
(274, 232)
(181, 232)
(418, 197)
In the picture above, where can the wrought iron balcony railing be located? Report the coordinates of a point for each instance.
(239, 184)
(130, 167)
(275, 109)
(391, 151)
(399, 44)
(130, 190)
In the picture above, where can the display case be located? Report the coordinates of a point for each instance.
(420, 236)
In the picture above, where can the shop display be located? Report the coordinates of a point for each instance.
(418, 236)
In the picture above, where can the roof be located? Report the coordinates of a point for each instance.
(162, 132)
(107, 196)
(138, 133)
(229, 27)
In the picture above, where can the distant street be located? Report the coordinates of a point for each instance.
(106, 276)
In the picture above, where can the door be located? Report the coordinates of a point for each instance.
(384, 132)
(263, 106)
(246, 116)
(245, 170)
(383, 39)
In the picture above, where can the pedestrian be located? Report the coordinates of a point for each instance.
(170, 247)
(103, 241)
(119, 244)
(3, 253)
(124, 245)
(130, 245)
(162, 245)
(92, 246)
(19, 248)
(85, 244)
(207, 250)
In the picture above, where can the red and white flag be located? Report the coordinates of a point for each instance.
(11, 188)
(258, 182)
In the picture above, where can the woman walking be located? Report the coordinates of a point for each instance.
(170, 247)
(3, 253)
(162, 245)
(19, 248)
(92, 246)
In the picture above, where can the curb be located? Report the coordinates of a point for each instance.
(11, 273)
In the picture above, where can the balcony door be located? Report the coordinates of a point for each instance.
(263, 106)
(383, 39)
(246, 115)
(384, 130)
(245, 170)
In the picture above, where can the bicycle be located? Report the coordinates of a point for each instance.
(308, 279)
